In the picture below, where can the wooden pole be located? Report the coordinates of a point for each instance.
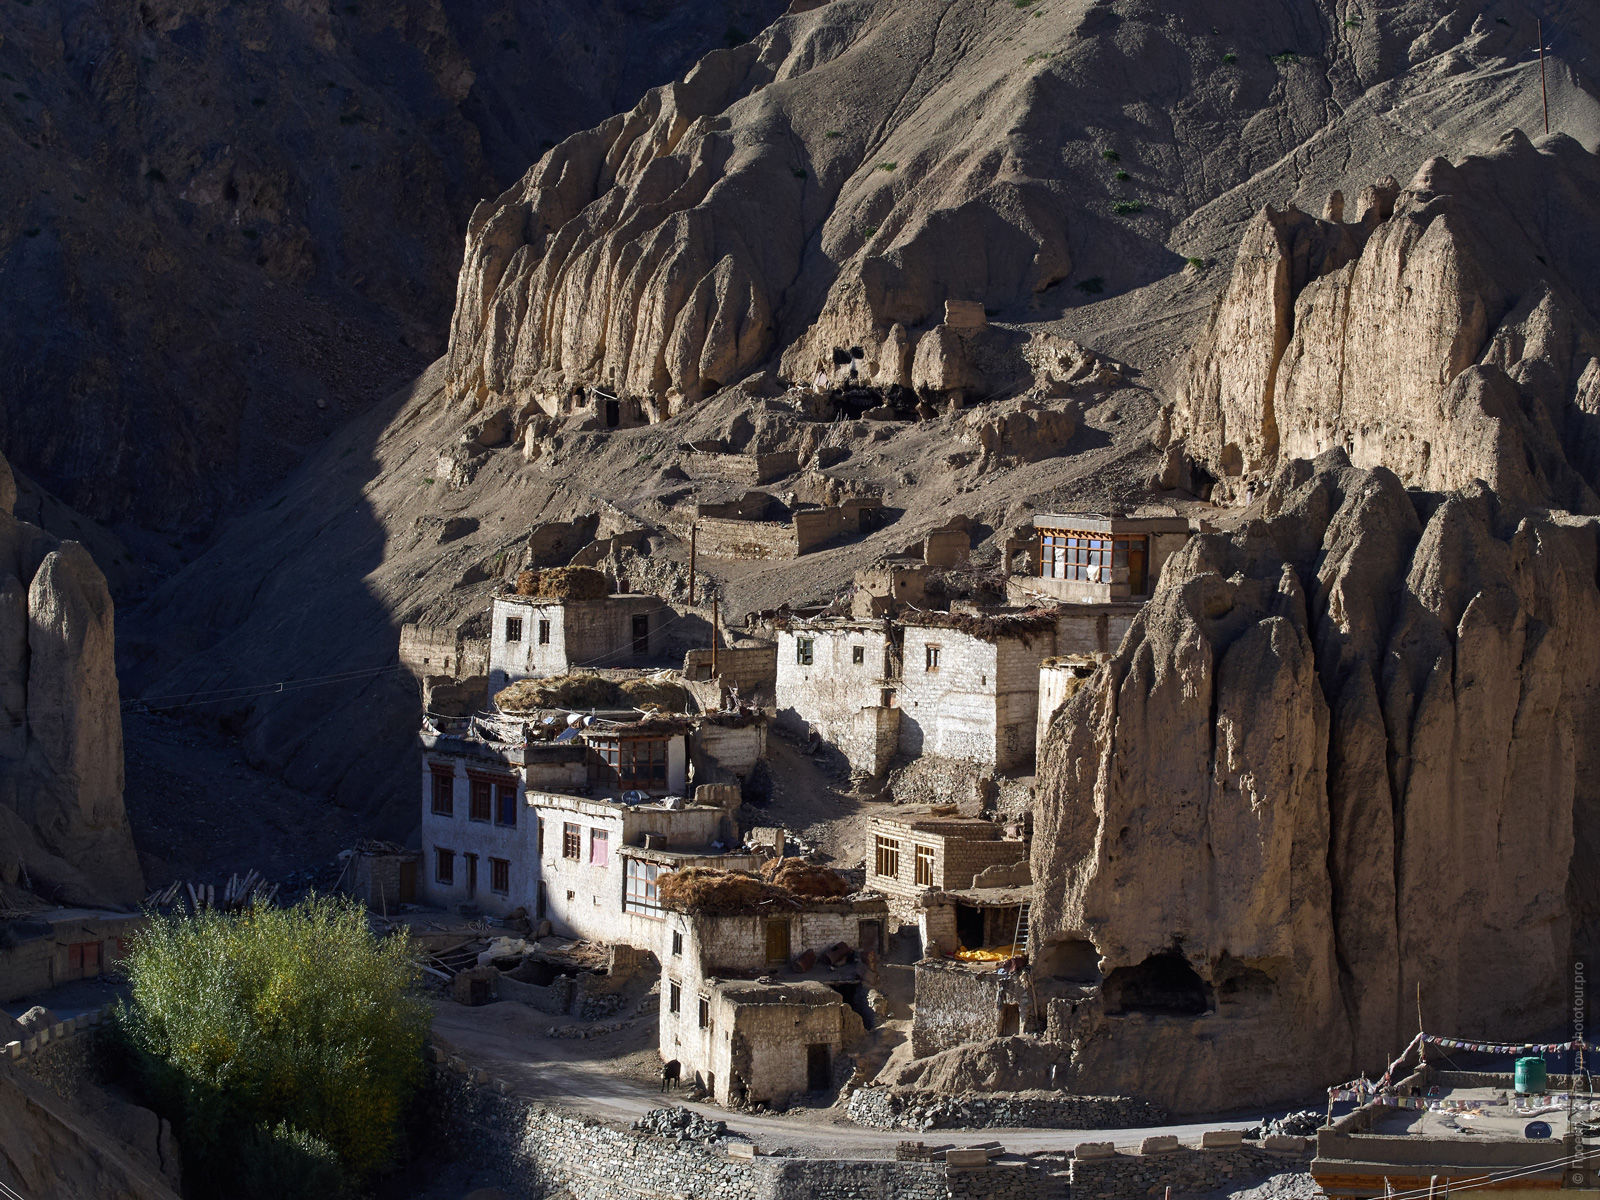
(694, 531)
(715, 604)
(1543, 91)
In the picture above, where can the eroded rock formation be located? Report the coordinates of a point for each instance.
(1448, 332)
(1343, 754)
(63, 831)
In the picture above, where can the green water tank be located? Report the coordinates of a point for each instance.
(1530, 1076)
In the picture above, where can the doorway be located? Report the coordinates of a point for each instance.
(870, 936)
(1010, 1020)
(777, 942)
(641, 635)
(613, 414)
(969, 927)
(819, 1068)
(1136, 567)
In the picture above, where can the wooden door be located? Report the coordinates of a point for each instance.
(777, 942)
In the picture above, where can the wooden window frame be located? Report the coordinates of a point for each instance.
(448, 797)
(513, 629)
(1084, 552)
(641, 889)
(480, 799)
(805, 651)
(571, 841)
(704, 1012)
(444, 866)
(677, 942)
(858, 656)
(931, 654)
(674, 997)
(922, 865)
(500, 876)
(886, 852)
(544, 631)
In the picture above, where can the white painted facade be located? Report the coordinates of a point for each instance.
(839, 680)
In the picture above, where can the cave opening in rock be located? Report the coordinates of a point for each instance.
(1073, 960)
(1163, 983)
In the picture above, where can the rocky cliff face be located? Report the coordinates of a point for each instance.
(827, 188)
(1448, 332)
(1345, 753)
(63, 832)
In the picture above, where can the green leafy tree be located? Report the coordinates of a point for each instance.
(285, 1043)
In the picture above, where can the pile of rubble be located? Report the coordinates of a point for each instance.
(885, 1108)
(681, 1125)
(1300, 1124)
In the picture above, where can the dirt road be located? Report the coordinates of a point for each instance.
(508, 1041)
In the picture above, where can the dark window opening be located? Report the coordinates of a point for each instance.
(444, 866)
(674, 997)
(858, 655)
(544, 633)
(1163, 983)
(482, 791)
(499, 875)
(641, 635)
(513, 629)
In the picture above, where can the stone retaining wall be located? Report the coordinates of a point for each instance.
(880, 1108)
(1187, 1171)
(62, 1057)
(539, 1151)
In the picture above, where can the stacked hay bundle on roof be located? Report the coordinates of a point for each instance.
(806, 879)
(564, 583)
(565, 692)
(708, 890)
(660, 691)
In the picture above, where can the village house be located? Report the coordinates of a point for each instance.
(1096, 558)
(757, 525)
(577, 829)
(917, 850)
(536, 636)
(836, 679)
(758, 1006)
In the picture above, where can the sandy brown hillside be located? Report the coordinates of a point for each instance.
(227, 228)
(718, 228)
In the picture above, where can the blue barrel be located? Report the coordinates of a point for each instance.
(1530, 1076)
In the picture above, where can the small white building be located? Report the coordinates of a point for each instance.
(736, 1014)
(531, 637)
(1099, 558)
(838, 679)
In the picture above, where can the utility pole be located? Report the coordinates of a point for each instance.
(1543, 91)
(694, 532)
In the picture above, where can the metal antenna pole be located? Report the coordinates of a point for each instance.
(1543, 91)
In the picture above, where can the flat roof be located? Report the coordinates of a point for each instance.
(1111, 523)
(925, 818)
(1488, 1113)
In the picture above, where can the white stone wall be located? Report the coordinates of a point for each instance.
(522, 659)
(951, 711)
(486, 839)
(831, 694)
(737, 944)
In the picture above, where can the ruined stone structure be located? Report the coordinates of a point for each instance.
(1447, 333)
(1341, 755)
(757, 526)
